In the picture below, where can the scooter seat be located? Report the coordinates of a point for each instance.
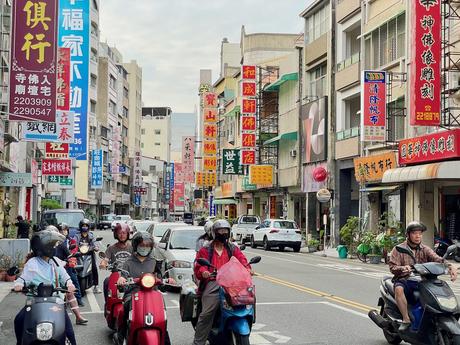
(388, 283)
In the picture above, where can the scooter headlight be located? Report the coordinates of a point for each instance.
(84, 249)
(44, 331)
(148, 281)
(448, 302)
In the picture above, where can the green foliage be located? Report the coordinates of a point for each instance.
(313, 243)
(50, 204)
(371, 240)
(349, 232)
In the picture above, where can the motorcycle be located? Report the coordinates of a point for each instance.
(440, 248)
(147, 315)
(40, 325)
(232, 324)
(84, 266)
(435, 314)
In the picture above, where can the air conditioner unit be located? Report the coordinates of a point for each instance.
(231, 139)
(293, 153)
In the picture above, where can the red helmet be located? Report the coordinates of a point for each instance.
(119, 228)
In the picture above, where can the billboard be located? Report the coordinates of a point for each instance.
(373, 105)
(314, 131)
(60, 131)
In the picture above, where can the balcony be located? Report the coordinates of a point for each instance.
(347, 72)
(316, 49)
(346, 8)
(347, 143)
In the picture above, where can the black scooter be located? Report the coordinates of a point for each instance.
(84, 266)
(435, 314)
(44, 322)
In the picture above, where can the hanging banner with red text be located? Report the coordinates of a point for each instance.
(58, 167)
(63, 79)
(33, 60)
(188, 158)
(425, 76)
(56, 150)
(374, 106)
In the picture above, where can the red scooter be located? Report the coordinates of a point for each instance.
(113, 309)
(147, 322)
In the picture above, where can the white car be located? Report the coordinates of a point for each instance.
(277, 233)
(158, 230)
(177, 252)
(142, 225)
(243, 228)
(121, 219)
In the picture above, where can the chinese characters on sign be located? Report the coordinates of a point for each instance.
(248, 157)
(248, 88)
(425, 80)
(179, 195)
(431, 147)
(261, 174)
(63, 79)
(15, 179)
(249, 106)
(371, 168)
(33, 61)
(248, 140)
(248, 72)
(210, 102)
(248, 123)
(171, 185)
(231, 162)
(188, 158)
(248, 111)
(59, 131)
(56, 150)
(210, 163)
(97, 165)
(74, 30)
(57, 167)
(137, 175)
(210, 147)
(374, 105)
(206, 179)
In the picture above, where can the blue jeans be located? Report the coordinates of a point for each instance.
(73, 276)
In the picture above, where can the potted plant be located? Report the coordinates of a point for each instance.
(6, 262)
(375, 250)
(348, 234)
(312, 245)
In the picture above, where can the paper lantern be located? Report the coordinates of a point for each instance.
(319, 174)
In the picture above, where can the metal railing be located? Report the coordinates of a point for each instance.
(347, 134)
(349, 61)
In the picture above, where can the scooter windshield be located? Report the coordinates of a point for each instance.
(430, 268)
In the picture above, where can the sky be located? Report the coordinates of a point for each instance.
(173, 39)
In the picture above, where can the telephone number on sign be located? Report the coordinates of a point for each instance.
(32, 101)
(30, 111)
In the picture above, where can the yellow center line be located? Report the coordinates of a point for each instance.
(316, 293)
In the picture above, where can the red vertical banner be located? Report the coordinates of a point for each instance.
(29, 203)
(248, 72)
(374, 103)
(63, 79)
(33, 60)
(425, 81)
(272, 207)
(188, 158)
(179, 191)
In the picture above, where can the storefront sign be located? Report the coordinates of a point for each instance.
(34, 171)
(65, 181)
(248, 140)
(172, 182)
(248, 123)
(429, 148)
(74, 33)
(227, 190)
(56, 150)
(210, 163)
(231, 162)
(33, 60)
(248, 72)
(374, 105)
(371, 168)
(137, 171)
(137, 199)
(425, 76)
(249, 106)
(59, 131)
(246, 185)
(57, 167)
(272, 206)
(261, 174)
(210, 114)
(97, 164)
(210, 100)
(179, 195)
(15, 179)
(314, 131)
(210, 147)
(248, 89)
(206, 179)
(188, 158)
(210, 131)
(63, 79)
(248, 157)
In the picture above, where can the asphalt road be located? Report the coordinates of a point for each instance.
(301, 299)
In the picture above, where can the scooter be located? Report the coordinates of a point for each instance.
(44, 322)
(440, 248)
(147, 315)
(233, 323)
(434, 316)
(84, 266)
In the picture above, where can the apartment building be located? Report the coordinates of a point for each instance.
(156, 133)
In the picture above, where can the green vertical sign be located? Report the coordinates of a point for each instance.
(231, 162)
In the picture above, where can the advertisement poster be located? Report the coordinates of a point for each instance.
(314, 131)
(374, 105)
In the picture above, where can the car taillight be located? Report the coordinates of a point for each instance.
(148, 281)
(274, 231)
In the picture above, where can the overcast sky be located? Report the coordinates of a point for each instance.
(173, 39)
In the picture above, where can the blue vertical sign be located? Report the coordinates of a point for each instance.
(137, 199)
(212, 207)
(74, 26)
(166, 186)
(171, 187)
(96, 169)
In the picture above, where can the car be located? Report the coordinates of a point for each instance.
(121, 219)
(243, 228)
(71, 217)
(279, 233)
(177, 252)
(142, 225)
(106, 221)
(158, 231)
(188, 218)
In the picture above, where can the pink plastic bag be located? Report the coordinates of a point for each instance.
(236, 280)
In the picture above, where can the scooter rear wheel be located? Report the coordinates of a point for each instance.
(238, 339)
(392, 338)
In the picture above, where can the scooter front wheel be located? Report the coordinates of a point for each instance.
(238, 339)
(449, 339)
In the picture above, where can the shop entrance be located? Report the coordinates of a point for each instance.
(450, 213)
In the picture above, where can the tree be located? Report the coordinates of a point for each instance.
(50, 204)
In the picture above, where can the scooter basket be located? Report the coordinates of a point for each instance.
(188, 305)
(238, 297)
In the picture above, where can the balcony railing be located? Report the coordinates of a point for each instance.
(348, 62)
(347, 133)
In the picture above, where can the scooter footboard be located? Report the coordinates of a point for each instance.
(148, 337)
(449, 324)
(239, 326)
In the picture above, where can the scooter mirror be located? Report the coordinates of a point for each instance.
(102, 255)
(98, 239)
(204, 262)
(255, 260)
(450, 250)
(243, 247)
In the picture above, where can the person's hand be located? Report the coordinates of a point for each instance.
(71, 288)
(18, 288)
(171, 281)
(122, 281)
(407, 269)
(453, 272)
(206, 275)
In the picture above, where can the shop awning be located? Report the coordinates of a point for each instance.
(434, 171)
(284, 136)
(234, 111)
(225, 202)
(284, 78)
(379, 188)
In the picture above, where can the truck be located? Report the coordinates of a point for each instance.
(244, 226)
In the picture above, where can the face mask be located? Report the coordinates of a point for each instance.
(143, 251)
(222, 237)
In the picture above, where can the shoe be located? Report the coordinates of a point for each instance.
(404, 326)
(81, 322)
(80, 303)
(97, 290)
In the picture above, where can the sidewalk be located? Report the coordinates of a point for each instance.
(330, 252)
(5, 288)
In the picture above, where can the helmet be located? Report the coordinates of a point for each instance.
(413, 226)
(84, 222)
(119, 228)
(44, 242)
(63, 226)
(208, 228)
(220, 224)
(146, 239)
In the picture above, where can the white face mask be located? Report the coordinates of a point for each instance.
(143, 251)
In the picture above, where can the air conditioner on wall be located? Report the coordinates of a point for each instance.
(293, 153)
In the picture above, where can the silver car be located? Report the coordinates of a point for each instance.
(177, 252)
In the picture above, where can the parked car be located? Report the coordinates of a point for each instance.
(106, 221)
(277, 233)
(158, 231)
(177, 252)
(71, 217)
(121, 219)
(243, 228)
(188, 218)
(142, 225)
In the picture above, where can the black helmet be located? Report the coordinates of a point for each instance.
(413, 226)
(84, 222)
(142, 237)
(44, 242)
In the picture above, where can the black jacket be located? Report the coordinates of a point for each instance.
(23, 229)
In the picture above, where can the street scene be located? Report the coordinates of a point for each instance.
(229, 173)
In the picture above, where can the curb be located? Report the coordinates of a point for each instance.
(5, 288)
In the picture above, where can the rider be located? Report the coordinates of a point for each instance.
(63, 252)
(85, 237)
(401, 268)
(217, 253)
(204, 239)
(118, 252)
(139, 263)
(43, 268)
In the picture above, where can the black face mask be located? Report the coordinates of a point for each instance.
(222, 237)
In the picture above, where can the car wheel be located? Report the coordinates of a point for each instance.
(253, 243)
(281, 248)
(241, 240)
(266, 244)
(296, 248)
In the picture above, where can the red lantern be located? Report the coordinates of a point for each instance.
(319, 174)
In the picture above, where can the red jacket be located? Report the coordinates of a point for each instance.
(217, 261)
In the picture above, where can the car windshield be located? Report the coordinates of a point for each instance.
(122, 217)
(185, 239)
(109, 217)
(70, 218)
(249, 220)
(142, 226)
(160, 229)
(284, 225)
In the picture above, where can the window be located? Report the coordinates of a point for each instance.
(352, 106)
(125, 112)
(93, 56)
(93, 80)
(104, 132)
(317, 24)
(124, 131)
(386, 43)
(92, 107)
(112, 107)
(318, 82)
(396, 119)
(157, 144)
(94, 30)
(143, 131)
(125, 92)
(157, 131)
(112, 82)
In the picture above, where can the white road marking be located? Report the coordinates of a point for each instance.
(173, 301)
(280, 339)
(258, 326)
(92, 301)
(354, 312)
(257, 339)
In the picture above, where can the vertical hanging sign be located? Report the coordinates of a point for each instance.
(96, 169)
(33, 61)
(373, 106)
(74, 25)
(63, 79)
(425, 81)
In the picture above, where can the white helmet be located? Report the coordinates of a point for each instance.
(208, 228)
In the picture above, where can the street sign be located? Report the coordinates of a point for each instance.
(60, 167)
(15, 179)
(56, 150)
(65, 181)
(137, 199)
